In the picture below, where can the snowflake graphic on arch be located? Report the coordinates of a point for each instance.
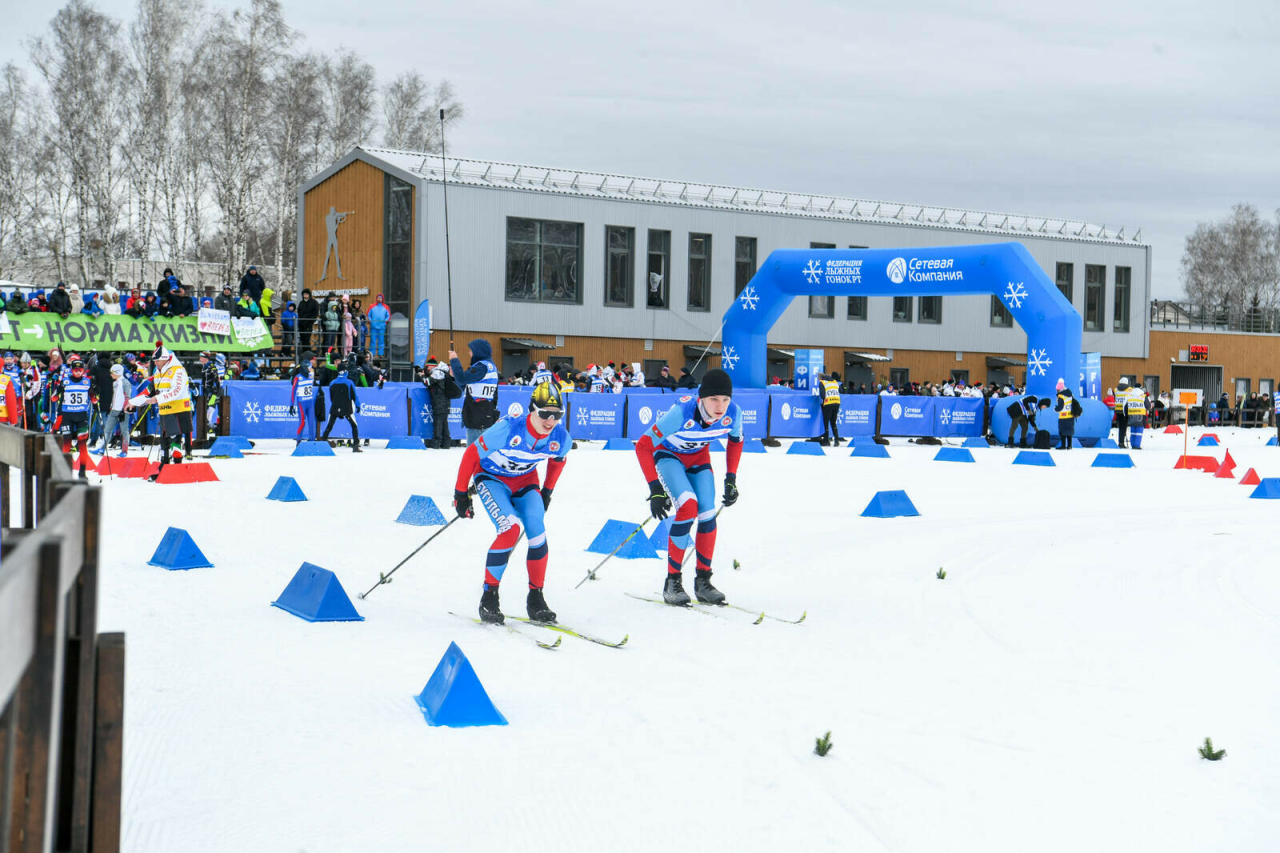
(252, 412)
(1014, 294)
(729, 358)
(1039, 362)
(945, 416)
(749, 298)
(813, 272)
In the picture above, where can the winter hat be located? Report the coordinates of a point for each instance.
(1122, 386)
(1061, 384)
(432, 360)
(117, 370)
(716, 384)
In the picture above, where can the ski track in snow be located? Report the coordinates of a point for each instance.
(1048, 695)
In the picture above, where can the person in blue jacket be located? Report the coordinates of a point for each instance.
(91, 306)
(480, 388)
(379, 316)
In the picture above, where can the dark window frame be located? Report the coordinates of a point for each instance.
(907, 315)
(1069, 279)
(1123, 285)
(1095, 290)
(1001, 317)
(703, 285)
(816, 309)
(920, 318)
(664, 254)
(627, 267)
(539, 261)
(741, 262)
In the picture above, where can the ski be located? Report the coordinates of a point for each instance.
(698, 607)
(513, 630)
(803, 615)
(564, 629)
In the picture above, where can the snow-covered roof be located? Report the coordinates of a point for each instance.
(490, 173)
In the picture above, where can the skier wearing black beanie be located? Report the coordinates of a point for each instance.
(674, 456)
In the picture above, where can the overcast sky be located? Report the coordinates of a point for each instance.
(1154, 117)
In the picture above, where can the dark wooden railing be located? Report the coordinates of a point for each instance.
(61, 682)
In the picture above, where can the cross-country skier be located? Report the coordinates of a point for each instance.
(74, 406)
(342, 397)
(504, 462)
(542, 374)
(32, 388)
(302, 401)
(676, 462)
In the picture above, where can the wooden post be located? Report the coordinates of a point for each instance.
(108, 744)
(78, 758)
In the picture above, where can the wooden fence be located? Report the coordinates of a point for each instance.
(61, 682)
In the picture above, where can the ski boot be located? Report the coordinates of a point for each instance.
(355, 448)
(537, 607)
(705, 592)
(673, 591)
(490, 609)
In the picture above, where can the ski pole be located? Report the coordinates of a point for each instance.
(591, 575)
(387, 577)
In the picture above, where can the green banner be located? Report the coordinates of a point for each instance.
(41, 331)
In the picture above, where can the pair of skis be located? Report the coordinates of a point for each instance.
(564, 630)
(710, 609)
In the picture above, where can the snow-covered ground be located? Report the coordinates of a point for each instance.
(1048, 695)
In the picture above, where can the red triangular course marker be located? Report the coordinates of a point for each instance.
(1173, 430)
(1227, 470)
(1250, 478)
(187, 472)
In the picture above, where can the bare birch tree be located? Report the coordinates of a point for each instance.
(350, 100)
(1234, 262)
(411, 112)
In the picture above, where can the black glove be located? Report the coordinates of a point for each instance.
(293, 411)
(546, 499)
(462, 503)
(659, 503)
(730, 489)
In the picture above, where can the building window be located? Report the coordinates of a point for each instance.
(1120, 317)
(902, 309)
(1066, 279)
(659, 262)
(744, 263)
(931, 309)
(899, 377)
(397, 264)
(822, 306)
(1095, 285)
(543, 261)
(1000, 316)
(857, 308)
(699, 272)
(619, 266)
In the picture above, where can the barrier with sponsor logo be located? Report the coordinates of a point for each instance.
(420, 408)
(261, 410)
(595, 416)
(857, 415)
(794, 414)
(913, 416)
(644, 410)
(956, 417)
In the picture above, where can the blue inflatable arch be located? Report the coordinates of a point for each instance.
(1006, 270)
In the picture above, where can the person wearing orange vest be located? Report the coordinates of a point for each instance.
(828, 389)
(173, 399)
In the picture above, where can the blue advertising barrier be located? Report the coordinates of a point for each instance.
(513, 400)
(755, 412)
(794, 414)
(420, 406)
(957, 417)
(382, 415)
(261, 410)
(595, 416)
(857, 415)
(908, 415)
(644, 410)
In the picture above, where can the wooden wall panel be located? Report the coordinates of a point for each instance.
(358, 188)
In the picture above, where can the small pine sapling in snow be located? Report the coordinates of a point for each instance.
(736, 564)
(1209, 753)
(942, 575)
(822, 745)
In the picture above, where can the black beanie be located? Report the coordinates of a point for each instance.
(716, 384)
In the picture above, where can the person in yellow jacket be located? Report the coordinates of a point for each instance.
(1068, 409)
(828, 390)
(1135, 407)
(172, 396)
(264, 305)
(1122, 420)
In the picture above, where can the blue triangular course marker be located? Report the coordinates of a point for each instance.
(890, 505)
(871, 451)
(855, 440)
(613, 533)
(286, 489)
(1273, 442)
(405, 442)
(975, 441)
(313, 448)
(1034, 457)
(1112, 460)
(619, 444)
(1207, 441)
(454, 695)
(953, 454)
(1107, 444)
(239, 441)
(753, 445)
(178, 551)
(661, 535)
(1269, 488)
(316, 595)
(716, 446)
(420, 511)
(225, 446)
(805, 448)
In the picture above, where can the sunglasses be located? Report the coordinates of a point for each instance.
(549, 414)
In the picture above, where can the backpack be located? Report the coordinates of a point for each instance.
(1043, 440)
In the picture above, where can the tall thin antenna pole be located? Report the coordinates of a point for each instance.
(448, 261)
